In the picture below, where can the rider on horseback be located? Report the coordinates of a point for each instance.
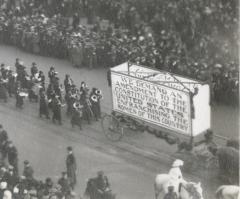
(175, 172)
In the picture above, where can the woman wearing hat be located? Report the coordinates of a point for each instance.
(175, 172)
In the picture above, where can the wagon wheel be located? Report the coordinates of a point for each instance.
(112, 128)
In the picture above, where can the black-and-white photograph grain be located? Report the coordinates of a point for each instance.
(119, 99)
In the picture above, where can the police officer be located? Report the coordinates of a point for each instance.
(71, 167)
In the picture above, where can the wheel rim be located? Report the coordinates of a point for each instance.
(111, 128)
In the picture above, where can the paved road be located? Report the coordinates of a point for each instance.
(44, 144)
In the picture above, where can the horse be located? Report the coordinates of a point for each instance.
(188, 190)
(228, 192)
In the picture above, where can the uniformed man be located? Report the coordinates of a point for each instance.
(71, 167)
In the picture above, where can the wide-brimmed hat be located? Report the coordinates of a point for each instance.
(177, 163)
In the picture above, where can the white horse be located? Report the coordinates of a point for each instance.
(228, 192)
(188, 190)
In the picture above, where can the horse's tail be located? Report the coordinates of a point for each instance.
(218, 193)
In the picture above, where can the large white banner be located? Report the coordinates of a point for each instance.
(151, 102)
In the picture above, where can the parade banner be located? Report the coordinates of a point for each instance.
(195, 113)
(151, 102)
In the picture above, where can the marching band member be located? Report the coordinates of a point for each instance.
(94, 104)
(43, 104)
(34, 69)
(68, 82)
(100, 97)
(11, 83)
(41, 78)
(56, 107)
(84, 100)
(19, 97)
(3, 89)
(77, 115)
(52, 74)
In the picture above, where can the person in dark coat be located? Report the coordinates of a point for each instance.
(41, 78)
(4, 145)
(52, 74)
(71, 167)
(34, 69)
(94, 104)
(109, 78)
(13, 157)
(68, 82)
(171, 194)
(56, 108)
(43, 105)
(11, 83)
(77, 115)
(99, 187)
(19, 98)
(11, 178)
(28, 170)
(65, 184)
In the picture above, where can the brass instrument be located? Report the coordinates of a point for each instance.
(94, 98)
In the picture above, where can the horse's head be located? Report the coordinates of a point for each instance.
(195, 190)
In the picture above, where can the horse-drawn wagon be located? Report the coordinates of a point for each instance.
(177, 108)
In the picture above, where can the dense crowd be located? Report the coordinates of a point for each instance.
(25, 185)
(197, 39)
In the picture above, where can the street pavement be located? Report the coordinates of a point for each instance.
(130, 164)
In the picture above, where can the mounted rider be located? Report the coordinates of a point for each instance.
(176, 174)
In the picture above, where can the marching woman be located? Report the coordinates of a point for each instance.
(19, 98)
(95, 104)
(43, 104)
(77, 115)
(56, 107)
(11, 83)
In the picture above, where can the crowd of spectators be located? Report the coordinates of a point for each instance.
(17, 185)
(197, 39)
